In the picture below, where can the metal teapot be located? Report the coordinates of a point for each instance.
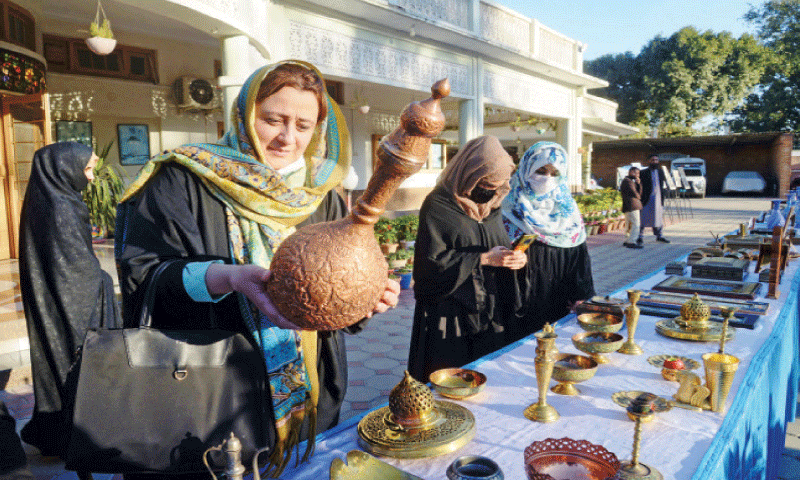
(234, 469)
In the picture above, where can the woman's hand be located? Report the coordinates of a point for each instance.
(574, 305)
(250, 280)
(503, 257)
(388, 299)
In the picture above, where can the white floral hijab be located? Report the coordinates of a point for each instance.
(552, 216)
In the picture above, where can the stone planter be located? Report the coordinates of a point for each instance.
(388, 248)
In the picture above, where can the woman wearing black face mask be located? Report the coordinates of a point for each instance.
(464, 271)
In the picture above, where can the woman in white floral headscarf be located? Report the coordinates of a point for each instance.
(559, 268)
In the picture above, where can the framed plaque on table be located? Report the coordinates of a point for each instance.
(708, 287)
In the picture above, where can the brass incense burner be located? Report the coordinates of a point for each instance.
(693, 324)
(330, 275)
(414, 425)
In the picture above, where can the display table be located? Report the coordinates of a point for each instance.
(746, 442)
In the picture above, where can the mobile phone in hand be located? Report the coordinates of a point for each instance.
(523, 242)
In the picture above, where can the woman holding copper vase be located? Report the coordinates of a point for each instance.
(204, 220)
(463, 267)
(559, 272)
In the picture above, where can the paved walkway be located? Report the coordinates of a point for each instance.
(377, 356)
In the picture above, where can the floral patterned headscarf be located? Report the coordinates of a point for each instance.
(262, 208)
(553, 217)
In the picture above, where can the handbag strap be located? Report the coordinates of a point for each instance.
(148, 303)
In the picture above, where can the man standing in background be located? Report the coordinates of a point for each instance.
(652, 215)
(631, 191)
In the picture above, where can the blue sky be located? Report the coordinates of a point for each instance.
(617, 26)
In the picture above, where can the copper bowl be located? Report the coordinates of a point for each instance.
(554, 459)
(600, 322)
(457, 383)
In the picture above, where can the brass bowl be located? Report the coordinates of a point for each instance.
(570, 369)
(598, 343)
(600, 322)
(457, 383)
(552, 459)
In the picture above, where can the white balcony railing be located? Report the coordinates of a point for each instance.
(500, 26)
(455, 12)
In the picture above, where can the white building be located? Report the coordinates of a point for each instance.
(510, 76)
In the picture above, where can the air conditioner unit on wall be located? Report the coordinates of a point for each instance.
(192, 93)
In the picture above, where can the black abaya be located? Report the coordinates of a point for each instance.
(174, 217)
(64, 290)
(461, 306)
(557, 277)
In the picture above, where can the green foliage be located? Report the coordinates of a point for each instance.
(104, 192)
(772, 106)
(385, 231)
(407, 227)
(102, 30)
(675, 82)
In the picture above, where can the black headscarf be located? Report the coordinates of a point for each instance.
(64, 290)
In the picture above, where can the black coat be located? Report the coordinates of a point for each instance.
(65, 292)
(176, 218)
(631, 192)
(462, 306)
(647, 184)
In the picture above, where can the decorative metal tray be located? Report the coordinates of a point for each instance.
(623, 399)
(363, 466)
(453, 429)
(658, 361)
(671, 328)
(565, 458)
(678, 299)
(714, 288)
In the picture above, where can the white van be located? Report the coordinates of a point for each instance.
(695, 171)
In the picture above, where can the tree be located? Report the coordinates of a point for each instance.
(774, 104)
(677, 82)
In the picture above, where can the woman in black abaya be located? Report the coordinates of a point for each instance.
(464, 284)
(64, 290)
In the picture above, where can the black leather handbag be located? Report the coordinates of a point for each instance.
(151, 400)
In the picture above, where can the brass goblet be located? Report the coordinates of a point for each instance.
(631, 320)
(570, 369)
(597, 343)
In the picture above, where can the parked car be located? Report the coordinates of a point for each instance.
(743, 181)
(695, 171)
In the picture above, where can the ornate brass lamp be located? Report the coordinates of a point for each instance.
(640, 407)
(545, 359)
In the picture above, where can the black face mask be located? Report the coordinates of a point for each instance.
(481, 195)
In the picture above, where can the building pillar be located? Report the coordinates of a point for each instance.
(470, 111)
(235, 70)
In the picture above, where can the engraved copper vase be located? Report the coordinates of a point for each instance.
(330, 275)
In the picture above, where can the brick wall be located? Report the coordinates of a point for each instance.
(770, 156)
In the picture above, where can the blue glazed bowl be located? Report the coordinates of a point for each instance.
(474, 467)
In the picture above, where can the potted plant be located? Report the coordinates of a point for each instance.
(103, 193)
(405, 275)
(386, 235)
(407, 227)
(396, 259)
(102, 40)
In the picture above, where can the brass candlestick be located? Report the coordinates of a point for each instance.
(631, 320)
(545, 359)
(641, 406)
(727, 314)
